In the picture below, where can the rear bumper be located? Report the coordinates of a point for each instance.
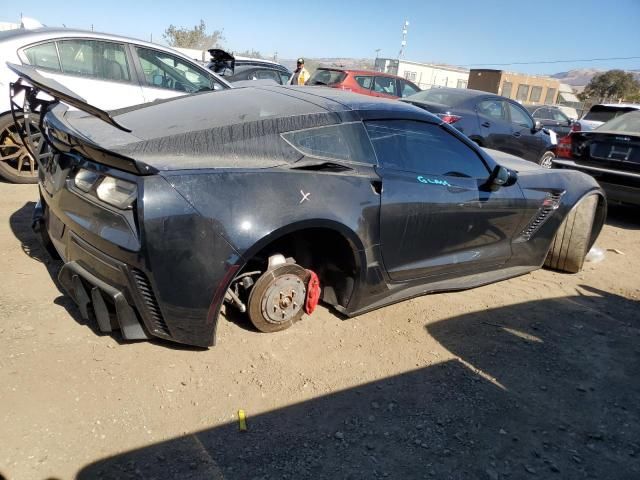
(620, 186)
(118, 289)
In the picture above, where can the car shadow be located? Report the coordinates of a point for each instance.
(623, 216)
(545, 388)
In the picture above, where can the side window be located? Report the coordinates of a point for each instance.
(423, 148)
(385, 85)
(493, 109)
(162, 70)
(542, 113)
(506, 89)
(558, 116)
(519, 116)
(44, 55)
(91, 58)
(407, 89)
(364, 81)
(345, 141)
(284, 78)
(266, 75)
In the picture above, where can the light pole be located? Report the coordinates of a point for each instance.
(405, 29)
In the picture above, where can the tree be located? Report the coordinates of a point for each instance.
(249, 53)
(613, 84)
(195, 37)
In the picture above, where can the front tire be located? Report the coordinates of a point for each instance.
(277, 299)
(572, 240)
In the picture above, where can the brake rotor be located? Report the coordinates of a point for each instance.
(285, 296)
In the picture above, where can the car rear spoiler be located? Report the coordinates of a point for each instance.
(222, 61)
(59, 92)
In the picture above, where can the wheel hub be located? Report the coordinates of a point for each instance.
(283, 299)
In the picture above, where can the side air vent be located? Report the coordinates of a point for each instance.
(150, 303)
(549, 205)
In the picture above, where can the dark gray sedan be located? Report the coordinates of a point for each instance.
(491, 121)
(551, 118)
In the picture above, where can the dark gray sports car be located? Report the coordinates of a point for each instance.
(267, 198)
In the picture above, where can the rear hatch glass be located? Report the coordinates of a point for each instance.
(327, 77)
(602, 113)
(441, 96)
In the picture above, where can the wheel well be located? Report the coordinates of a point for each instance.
(325, 251)
(598, 220)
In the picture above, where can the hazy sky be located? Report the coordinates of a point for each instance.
(459, 32)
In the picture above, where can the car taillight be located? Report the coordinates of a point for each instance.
(576, 127)
(449, 118)
(563, 149)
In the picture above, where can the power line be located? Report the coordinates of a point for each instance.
(549, 61)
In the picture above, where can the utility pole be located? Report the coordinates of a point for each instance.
(405, 29)
(275, 56)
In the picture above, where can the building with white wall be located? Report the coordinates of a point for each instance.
(425, 75)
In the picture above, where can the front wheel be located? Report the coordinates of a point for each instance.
(572, 240)
(278, 297)
(546, 160)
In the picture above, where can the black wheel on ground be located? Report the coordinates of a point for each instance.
(546, 160)
(277, 299)
(16, 164)
(571, 242)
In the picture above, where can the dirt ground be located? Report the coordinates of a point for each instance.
(538, 376)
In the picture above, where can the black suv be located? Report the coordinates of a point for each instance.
(235, 69)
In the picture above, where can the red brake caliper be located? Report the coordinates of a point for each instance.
(313, 293)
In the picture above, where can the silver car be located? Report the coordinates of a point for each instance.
(108, 71)
(601, 113)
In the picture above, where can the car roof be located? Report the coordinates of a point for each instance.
(20, 37)
(300, 106)
(618, 105)
(359, 72)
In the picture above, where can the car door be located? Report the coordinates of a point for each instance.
(165, 75)
(562, 123)
(436, 219)
(384, 87)
(494, 125)
(99, 71)
(525, 141)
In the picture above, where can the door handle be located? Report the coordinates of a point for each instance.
(516, 134)
(486, 124)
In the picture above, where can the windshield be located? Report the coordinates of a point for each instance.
(441, 96)
(602, 113)
(627, 123)
(326, 77)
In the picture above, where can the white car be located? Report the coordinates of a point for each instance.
(108, 71)
(601, 113)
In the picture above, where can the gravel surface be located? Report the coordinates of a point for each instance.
(535, 377)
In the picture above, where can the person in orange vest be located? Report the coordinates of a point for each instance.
(300, 75)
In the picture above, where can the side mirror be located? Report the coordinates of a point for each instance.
(537, 126)
(501, 177)
(569, 122)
